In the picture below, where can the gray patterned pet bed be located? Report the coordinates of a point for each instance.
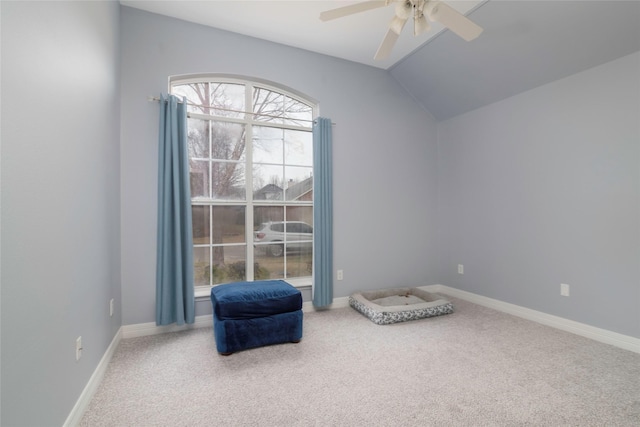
(388, 306)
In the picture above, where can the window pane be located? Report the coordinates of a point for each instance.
(298, 148)
(227, 141)
(297, 113)
(201, 266)
(302, 214)
(229, 264)
(267, 105)
(271, 106)
(268, 192)
(268, 228)
(268, 182)
(198, 138)
(299, 183)
(264, 214)
(228, 224)
(228, 181)
(199, 178)
(219, 99)
(227, 99)
(268, 145)
(267, 266)
(300, 261)
(200, 223)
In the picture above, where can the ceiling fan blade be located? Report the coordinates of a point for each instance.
(328, 15)
(387, 45)
(420, 25)
(454, 20)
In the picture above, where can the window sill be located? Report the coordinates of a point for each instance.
(204, 293)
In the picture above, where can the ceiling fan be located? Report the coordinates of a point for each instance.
(437, 11)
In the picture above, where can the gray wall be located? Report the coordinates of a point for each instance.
(384, 153)
(60, 202)
(544, 188)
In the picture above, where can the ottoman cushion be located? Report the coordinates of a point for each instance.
(248, 300)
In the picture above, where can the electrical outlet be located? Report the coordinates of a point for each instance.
(340, 274)
(460, 269)
(111, 307)
(78, 348)
(564, 289)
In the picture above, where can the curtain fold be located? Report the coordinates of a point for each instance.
(322, 213)
(175, 301)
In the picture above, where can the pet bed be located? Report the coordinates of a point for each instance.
(388, 306)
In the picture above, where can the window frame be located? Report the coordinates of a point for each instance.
(249, 121)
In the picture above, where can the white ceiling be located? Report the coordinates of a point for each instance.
(525, 43)
(297, 23)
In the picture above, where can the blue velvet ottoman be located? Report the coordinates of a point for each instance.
(255, 314)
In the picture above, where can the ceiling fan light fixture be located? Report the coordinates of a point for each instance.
(404, 9)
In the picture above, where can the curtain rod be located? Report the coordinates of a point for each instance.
(157, 99)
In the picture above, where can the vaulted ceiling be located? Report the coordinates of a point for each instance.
(525, 43)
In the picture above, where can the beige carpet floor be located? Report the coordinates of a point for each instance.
(475, 367)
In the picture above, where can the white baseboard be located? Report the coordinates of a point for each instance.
(598, 334)
(337, 303)
(144, 329)
(150, 328)
(92, 385)
(602, 335)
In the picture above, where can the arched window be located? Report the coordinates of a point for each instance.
(251, 168)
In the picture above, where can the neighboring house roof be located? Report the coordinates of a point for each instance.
(296, 191)
(269, 192)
